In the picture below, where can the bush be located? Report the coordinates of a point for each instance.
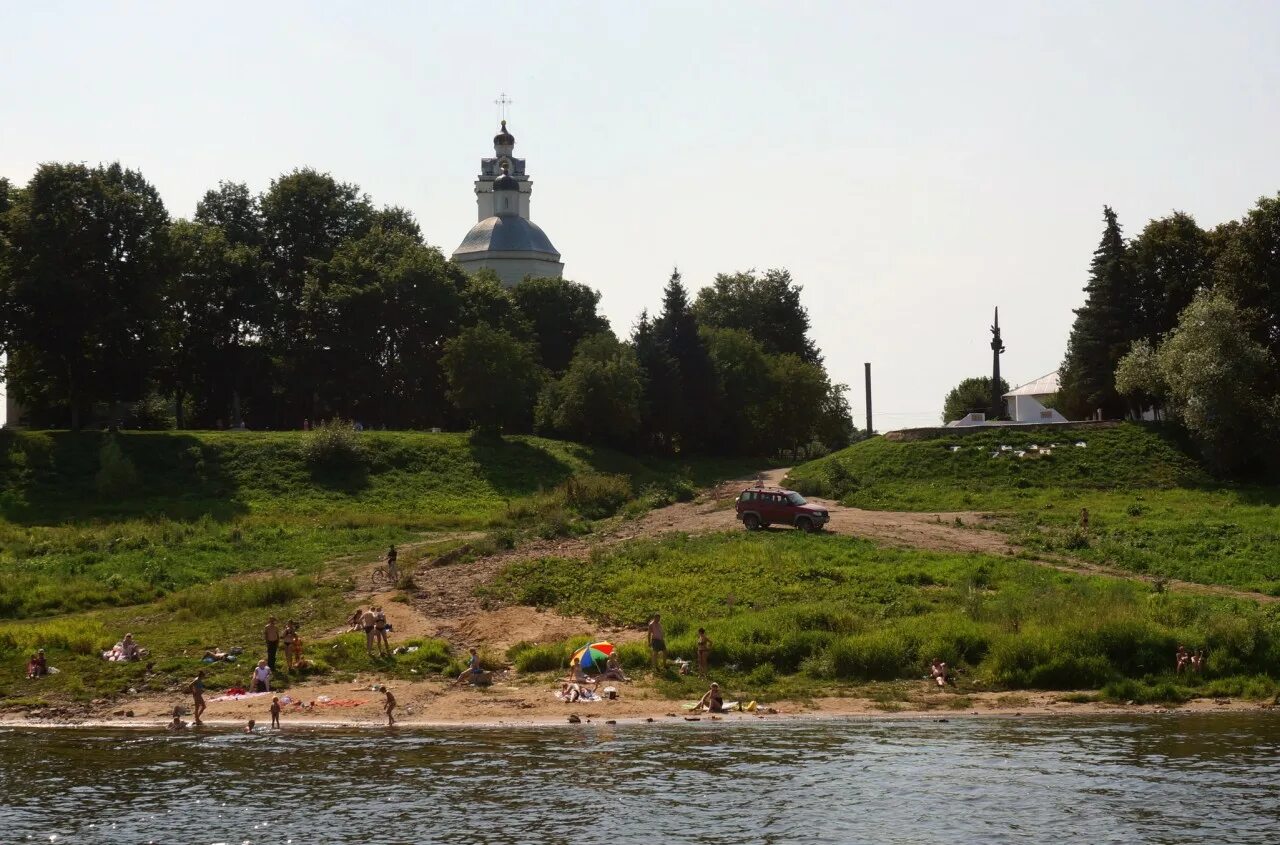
(117, 476)
(540, 658)
(596, 495)
(878, 656)
(332, 443)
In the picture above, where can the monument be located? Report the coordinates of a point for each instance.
(996, 411)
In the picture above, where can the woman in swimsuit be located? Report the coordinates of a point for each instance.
(712, 700)
(704, 651)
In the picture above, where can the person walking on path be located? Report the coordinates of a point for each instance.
(272, 636)
(196, 688)
(657, 643)
(704, 651)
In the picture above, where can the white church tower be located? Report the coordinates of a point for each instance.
(505, 240)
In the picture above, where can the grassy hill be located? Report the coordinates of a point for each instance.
(1152, 509)
(197, 507)
(982, 468)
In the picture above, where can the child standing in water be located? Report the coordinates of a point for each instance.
(275, 711)
(389, 706)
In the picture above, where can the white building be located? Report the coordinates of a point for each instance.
(505, 240)
(1025, 403)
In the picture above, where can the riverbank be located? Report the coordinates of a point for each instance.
(531, 703)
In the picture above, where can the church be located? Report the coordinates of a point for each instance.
(504, 239)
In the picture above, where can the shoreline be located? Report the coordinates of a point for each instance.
(643, 711)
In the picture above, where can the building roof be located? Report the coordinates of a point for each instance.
(506, 233)
(1042, 386)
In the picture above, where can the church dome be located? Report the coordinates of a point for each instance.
(504, 138)
(506, 233)
(506, 182)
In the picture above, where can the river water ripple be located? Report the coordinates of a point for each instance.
(1164, 779)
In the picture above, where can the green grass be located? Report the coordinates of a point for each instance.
(835, 609)
(207, 505)
(958, 472)
(1152, 510)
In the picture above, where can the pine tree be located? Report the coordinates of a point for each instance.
(676, 332)
(1105, 327)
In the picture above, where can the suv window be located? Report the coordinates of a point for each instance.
(796, 499)
(749, 496)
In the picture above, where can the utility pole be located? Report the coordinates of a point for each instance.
(867, 368)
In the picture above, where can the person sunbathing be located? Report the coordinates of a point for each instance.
(37, 665)
(712, 700)
(129, 649)
(474, 673)
(577, 674)
(613, 669)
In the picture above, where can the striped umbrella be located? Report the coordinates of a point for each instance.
(594, 655)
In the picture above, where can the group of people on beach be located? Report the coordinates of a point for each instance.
(290, 638)
(373, 621)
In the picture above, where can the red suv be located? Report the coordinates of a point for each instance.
(760, 507)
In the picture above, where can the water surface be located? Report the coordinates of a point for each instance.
(1159, 779)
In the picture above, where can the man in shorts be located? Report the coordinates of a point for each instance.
(271, 634)
(657, 643)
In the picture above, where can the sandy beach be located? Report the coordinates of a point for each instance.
(531, 702)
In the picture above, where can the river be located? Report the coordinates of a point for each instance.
(1162, 779)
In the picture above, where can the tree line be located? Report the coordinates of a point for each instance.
(308, 302)
(1185, 322)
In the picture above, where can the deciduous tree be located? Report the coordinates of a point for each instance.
(81, 286)
(972, 394)
(493, 378)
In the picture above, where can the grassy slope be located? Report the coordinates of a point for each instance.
(812, 610)
(226, 528)
(1152, 510)
(210, 505)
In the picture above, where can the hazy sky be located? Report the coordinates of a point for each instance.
(912, 166)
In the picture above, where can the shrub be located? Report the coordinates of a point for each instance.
(117, 476)
(596, 495)
(540, 658)
(332, 443)
(881, 655)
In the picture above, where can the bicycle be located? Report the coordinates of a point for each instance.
(388, 574)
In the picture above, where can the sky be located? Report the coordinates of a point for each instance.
(912, 165)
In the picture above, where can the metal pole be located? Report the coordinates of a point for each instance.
(867, 366)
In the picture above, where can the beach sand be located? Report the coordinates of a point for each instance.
(530, 702)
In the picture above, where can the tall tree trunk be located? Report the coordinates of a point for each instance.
(178, 396)
(235, 409)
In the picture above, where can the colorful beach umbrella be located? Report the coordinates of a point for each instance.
(594, 656)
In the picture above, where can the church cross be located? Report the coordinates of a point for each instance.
(502, 102)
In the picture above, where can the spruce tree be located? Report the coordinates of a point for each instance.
(1105, 327)
(695, 414)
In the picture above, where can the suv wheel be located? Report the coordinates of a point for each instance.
(805, 524)
(751, 522)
